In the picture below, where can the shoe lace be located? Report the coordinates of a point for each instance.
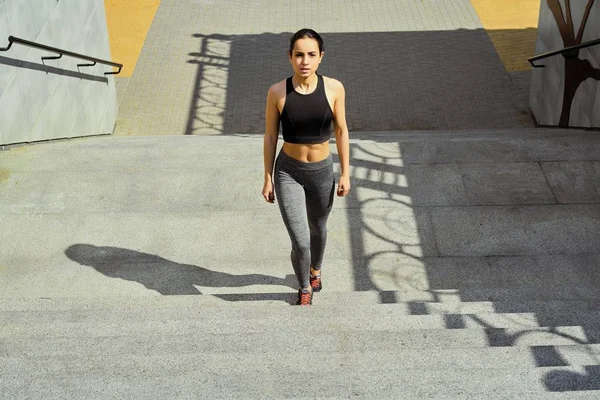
(305, 298)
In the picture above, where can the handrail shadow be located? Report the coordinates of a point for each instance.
(61, 52)
(51, 70)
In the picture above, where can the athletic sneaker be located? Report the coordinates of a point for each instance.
(304, 297)
(315, 283)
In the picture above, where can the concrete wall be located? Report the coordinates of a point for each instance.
(549, 83)
(52, 99)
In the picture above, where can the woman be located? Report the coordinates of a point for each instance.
(307, 105)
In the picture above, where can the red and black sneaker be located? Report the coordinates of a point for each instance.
(304, 297)
(315, 283)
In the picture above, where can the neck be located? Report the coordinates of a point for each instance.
(305, 83)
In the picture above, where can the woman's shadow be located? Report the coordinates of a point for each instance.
(168, 277)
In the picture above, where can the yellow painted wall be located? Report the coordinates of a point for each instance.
(512, 28)
(128, 24)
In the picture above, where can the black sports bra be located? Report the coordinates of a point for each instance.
(306, 118)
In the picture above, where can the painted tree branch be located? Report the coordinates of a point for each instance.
(594, 73)
(586, 16)
(567, 34)
(588, 70)
(576, 72)
(576, 69)
(569, 18)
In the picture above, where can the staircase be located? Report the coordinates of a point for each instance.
(463, 265)
(346, 345)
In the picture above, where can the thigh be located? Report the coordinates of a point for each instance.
(290, 196)
(320, 190)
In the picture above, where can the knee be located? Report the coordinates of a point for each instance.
(302, 247)
(318, 227)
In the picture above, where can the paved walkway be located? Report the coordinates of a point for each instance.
(206, 66)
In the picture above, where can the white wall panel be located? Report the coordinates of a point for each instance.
(55, 98)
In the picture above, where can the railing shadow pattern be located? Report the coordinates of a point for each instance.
(393, 250)
(393, 80)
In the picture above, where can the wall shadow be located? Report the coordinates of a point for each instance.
(394, 81)
(168, 277)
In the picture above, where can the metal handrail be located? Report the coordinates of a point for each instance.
(565, 50)
(61, 52)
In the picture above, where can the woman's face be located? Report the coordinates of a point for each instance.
(305, 58)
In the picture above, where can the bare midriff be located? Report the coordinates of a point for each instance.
(307, 152)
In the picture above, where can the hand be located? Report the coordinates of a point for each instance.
(343, 186)
(268, 193)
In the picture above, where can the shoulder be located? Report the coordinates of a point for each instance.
(333, 85)
(277, 90)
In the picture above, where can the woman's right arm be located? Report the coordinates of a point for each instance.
(270, 143)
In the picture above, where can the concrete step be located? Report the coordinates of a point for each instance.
(344, 382)
(165, 360)
(515, 299)
(196, 337)
(264, 318)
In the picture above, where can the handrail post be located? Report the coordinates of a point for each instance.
(536, 66)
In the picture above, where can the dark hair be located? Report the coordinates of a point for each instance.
(307, 33)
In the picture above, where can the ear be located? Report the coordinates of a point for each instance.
(321, 58)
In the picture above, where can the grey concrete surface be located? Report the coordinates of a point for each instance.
(486, 267)
(261, 319)
(206, 66)
(568, 229)
(574, 182)
(294, 342)
(109, 216)
(344, 381)
(405, 360)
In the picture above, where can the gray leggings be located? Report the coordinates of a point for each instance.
(305, 196)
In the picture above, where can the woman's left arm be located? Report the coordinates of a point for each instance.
(342, 138)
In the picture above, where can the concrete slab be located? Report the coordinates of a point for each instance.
(518, 183)
(511, 231)
(490, 146)
(549, 272)
(574, 182)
